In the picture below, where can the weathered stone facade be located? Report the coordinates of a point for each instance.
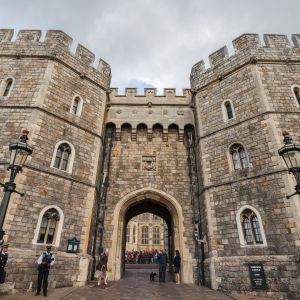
(150, 166)
(46, 78)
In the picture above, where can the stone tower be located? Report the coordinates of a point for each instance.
(242, 105)
(47, 79)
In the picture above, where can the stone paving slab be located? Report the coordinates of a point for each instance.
(134, 286)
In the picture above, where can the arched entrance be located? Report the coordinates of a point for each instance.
(153, 207)
(161, 204)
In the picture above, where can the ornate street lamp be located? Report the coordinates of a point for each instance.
(291, 155)
(18, 155)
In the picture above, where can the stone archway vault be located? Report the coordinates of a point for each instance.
(118, 222)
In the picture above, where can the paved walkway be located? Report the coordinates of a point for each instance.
(134, 286)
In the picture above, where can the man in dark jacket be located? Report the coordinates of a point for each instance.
(3, 261)
(162, 261)
(45, 261)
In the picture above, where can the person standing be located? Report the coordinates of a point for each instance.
(3, 262)
(45, 261)
(162, 261)
(176, 264)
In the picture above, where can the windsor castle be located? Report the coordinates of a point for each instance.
(205, 161)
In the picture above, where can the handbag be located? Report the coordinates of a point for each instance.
(97, 274)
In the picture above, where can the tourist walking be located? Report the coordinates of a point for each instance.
(176, 264)
(45, 261)
(162, 262)
(3, 261)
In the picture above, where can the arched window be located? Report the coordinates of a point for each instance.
(250, 227)
(128, 234)
(48, 227)
(156, 235)
(228, 110)
(62, 157)
(145, 235)
(6, 87)
(296, 91)
(76, 106)
(239, 157)
(133, 234)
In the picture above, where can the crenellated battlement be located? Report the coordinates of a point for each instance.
(150, 93)
(56, 46)
(248, 48)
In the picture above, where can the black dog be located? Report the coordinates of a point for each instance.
(152, 276)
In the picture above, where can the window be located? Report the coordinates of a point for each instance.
(144, 235)
(239, 157)
(156, 235)
(133, 234)
(296, 90)
(48, 227)
(62, 157)
(6, 87)
(227, 110)
(128, 235)
(251, 228)
(76, 106)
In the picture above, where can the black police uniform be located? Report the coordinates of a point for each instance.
(44, 262)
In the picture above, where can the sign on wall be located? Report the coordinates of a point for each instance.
(257, 275)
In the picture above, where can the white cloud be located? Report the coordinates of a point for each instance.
(157, 41)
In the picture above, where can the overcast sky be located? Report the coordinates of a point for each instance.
(153, 42)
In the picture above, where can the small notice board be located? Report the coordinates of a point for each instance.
(257, 275)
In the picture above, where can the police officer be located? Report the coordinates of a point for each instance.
(45, 261)
(3, 261)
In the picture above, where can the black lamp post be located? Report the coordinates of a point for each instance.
(291, 155)
(18, 155)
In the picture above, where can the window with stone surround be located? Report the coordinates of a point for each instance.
(48, 227)
(156, 235)
(250, 227)
(6, 87)
(76, 106)
(296, 94)
(63, 156)
(228, 110)
(145, 235)
(239, 157)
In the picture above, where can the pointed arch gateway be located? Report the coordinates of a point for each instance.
(157, 202)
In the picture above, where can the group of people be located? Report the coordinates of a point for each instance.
(3, 260)
(141, 257)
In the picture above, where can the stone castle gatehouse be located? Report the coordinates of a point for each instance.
(205, 161)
